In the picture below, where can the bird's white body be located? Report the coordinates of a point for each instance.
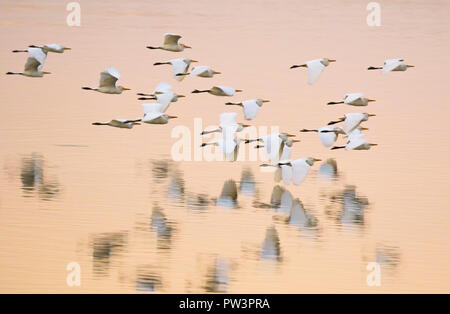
(108, 79)
(357, 143)
(353, 120)
(394, 65)
(315, 68)
(222, 91)
(297, 171)
(356, 99)
(329, 138)
(153, 114)
(251, 108)
(202, 71)
(162, 88)
(56, 48)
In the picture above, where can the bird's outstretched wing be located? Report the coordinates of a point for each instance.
(286, 174)
(171, 39)
(35, 60)
(228, 119)
(152, 108)
(327, 138)
(315, 68)
(352, 121)
(32, 65)
(109, 77)
(179, 66)
(162, 87)
(165, 100)
(251, 109)
(299, 170)
(226, 90)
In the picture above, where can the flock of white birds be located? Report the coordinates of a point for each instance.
(277, 146)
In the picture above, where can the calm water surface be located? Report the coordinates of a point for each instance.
(115, 202)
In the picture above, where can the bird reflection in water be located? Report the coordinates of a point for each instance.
(147, 281)
(271, 249)
(328, 170)
(163, 228)
(105, 247)
(197, 202)
(388, 256)
(228, 197)
(247, 184)
(176, 187)
(217, 278)
(352, 209)
(160, 169)
(33, 179)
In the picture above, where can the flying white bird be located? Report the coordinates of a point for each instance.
(354, 99)
(34, 64)
(228, 125)
(229, 146)
(219, 91)
(273, 144)
(163, 94)
(327, 134)
(352, 120)
(153, 114)
(57, 48)
(107, 84)
(315, 68)
(119, 123)
(356, 143)
(171, 43)
(251, 107)
(179, 66)
(294, 171)
(392, 65)
(200, 71)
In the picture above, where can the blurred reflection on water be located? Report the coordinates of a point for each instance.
(33, 178)
(350, 207)
(146, 280)
(271, 248)
(247, 184)
(106, 247)
(176, 189)
(328, 170)
(388, 256)
(217, 277)
(162, 227)
(229, 195)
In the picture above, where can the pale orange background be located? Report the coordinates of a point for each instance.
(105, 176)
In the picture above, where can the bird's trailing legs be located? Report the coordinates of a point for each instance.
(196, 91)
(234, 104)
(335, 102)
(306, 130)
(334, 122)
(208, 132)
(298, 66)
(374, 68)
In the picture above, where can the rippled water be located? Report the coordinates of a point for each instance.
(115, 202)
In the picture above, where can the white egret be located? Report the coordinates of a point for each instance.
(352, 120)
(107, 85)
(294, 171)
(163, 94)
(228, 145)
(273, 143)
(315, 68)
(34, 64)
(219, 91)
(200, 71)
(119, 123)
(392, 65)
(153, 114)
(251, 107)
(327, 134)
(57, 48)
(179, 66)
(354, 99)
(228, 125)
(356, 143)
(171, 43)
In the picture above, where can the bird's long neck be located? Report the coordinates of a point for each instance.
(150, 47)
(306, 130)
(374, 68)
(335, 102)
(89, 88)
(233, 104)
(14, 73)
(337, 147)
(159, 63)
(196, 91)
